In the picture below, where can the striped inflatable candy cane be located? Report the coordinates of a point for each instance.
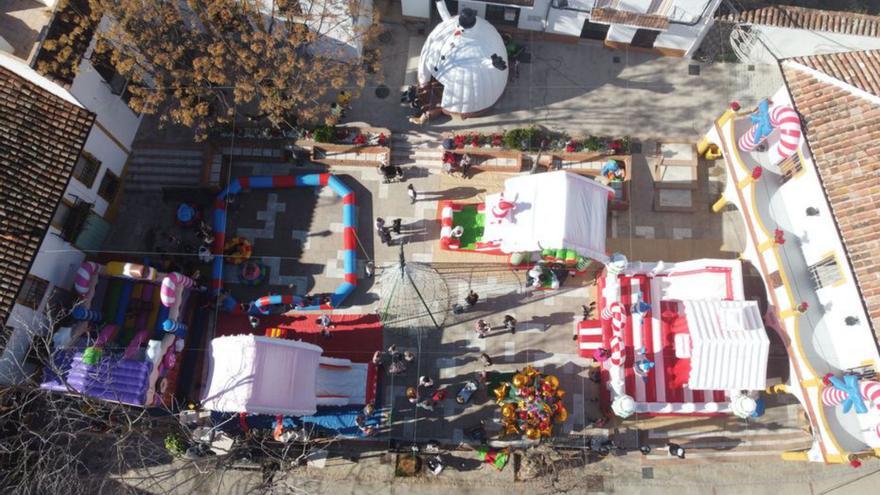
(84, 275)
(170, 285)
(617, 316)
(869, 389)
(787, 121)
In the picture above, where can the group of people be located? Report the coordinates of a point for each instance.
(424, 101)
(483, 328)
(396, 361)
(384, 232)
(457, 164)
(428, 399)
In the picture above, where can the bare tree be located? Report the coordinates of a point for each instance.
(199, 62)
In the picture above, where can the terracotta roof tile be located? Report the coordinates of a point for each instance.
(818, 20)
(42, 136)
(843, 130)
(614, 16)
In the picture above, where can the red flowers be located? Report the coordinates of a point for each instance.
(475, 141)
(459, 141)
(779, 236)
(803, 307)
(496, 140)
(571, 146)
(360, 139)
(383, 139)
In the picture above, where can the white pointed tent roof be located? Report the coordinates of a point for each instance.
(461, 59)
(730, 345)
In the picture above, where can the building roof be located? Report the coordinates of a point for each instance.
(636, 19)
(838, 100)
(43, 135)
(828, 21)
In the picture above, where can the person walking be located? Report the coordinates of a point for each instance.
(439, 395)
(426, 404)
(676, 450)
(380, 225)
(413, 195)
(425, 382)
(254, 321)
(482, 328)
(369, 269)
(326, 325)
(377, 358)
(396, 225)
(486, 360)
(409, 356)
(472, 298)
(510, 323)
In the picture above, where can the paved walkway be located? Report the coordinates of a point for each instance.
(583, 88)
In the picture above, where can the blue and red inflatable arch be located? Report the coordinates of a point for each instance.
(349, 239)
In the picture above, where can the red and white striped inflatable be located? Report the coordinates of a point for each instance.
(170, 284)
(83, 279)
(446, 239)
(788, 122)
(869, 389)
(615, 313)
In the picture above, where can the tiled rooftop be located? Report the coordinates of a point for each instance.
(613, 16)
(843, 131)
(42, 139)
(813, 19)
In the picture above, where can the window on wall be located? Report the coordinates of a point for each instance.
(826, 273)
(790, 167)
(86, 170)
(109, 186)
(61, 214)
(32, 292)
(594, 31)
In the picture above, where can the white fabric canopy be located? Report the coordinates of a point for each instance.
(730, 345)
(461, 59)
(554, 210)
(262, 375)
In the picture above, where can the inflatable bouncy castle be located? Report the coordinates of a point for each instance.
(130, 326)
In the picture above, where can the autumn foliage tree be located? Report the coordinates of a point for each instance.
(199, 63)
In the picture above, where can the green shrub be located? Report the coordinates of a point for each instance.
(175, 444)
(325, 133)
(592, 143)
(524, 139)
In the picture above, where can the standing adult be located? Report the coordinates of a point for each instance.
(326, 325)
(411, 192)
(510, 323)
(482, 328)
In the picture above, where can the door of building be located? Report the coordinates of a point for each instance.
(501, 15)
(644, 38)
(594, 30)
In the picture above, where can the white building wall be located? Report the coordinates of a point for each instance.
(534, 18)
(479, 7)
(621, 34)
(567, 22)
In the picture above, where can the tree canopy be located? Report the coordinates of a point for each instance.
(198, 63)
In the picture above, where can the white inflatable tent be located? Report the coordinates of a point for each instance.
(461, 60)
(554, 210)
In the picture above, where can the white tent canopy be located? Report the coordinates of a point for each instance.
(729, 345)
(554, 210)
(461, 60)
(262, 375)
